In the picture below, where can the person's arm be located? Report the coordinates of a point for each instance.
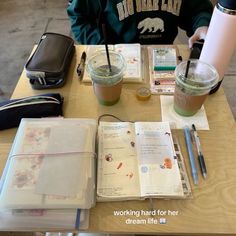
(199, 34)
(195, 16)
(83, 15)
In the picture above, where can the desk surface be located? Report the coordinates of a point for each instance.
(212, 210)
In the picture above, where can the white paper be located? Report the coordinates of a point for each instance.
(62, 140)
(168, 114)
(132, 56)
(117, 163)
(158, 167)
(61, 175)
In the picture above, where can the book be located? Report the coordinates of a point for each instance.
(51, 164)
(164, 59)
(132, 56)
(162, 62)
(137, 161)
(42, 168)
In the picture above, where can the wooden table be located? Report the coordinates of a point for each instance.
(211, 210)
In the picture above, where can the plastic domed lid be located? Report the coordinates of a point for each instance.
(229, 4)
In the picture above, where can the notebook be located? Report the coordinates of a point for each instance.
(132, 56)
(137, 161)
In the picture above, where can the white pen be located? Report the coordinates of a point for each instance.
(199, 152)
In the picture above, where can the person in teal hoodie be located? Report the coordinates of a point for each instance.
(138, 21)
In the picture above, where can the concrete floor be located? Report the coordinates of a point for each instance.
(21, 25)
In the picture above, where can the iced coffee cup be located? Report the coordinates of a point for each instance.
(193, 84)
(107, 81)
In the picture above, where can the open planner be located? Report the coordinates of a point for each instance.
(137, 161)
(132, 56)
(52, 164)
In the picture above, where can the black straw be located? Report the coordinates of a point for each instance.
(187, 69)
(106, 46)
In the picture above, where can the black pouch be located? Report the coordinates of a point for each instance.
(48, 65)
(44, 105)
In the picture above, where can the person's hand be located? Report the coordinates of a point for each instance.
(200, 33)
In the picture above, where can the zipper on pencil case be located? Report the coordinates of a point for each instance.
(23, 102)
(29, 99)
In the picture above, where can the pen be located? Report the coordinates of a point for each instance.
(190, 154)
(81, 65)
(199, 152)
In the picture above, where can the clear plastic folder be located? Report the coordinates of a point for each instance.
(51, 165)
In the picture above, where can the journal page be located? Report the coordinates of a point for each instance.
(117, 162)
(132, 55)
(158, 167)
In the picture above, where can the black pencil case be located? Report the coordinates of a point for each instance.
(44, 105)
(48, 65)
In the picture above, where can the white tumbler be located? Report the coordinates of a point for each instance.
(220, 41)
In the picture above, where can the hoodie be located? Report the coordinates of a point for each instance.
(136, 21)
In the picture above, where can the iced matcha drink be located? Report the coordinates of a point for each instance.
(192, 89)
(107, 82)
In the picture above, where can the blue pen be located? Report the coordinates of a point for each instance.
(191, 155)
